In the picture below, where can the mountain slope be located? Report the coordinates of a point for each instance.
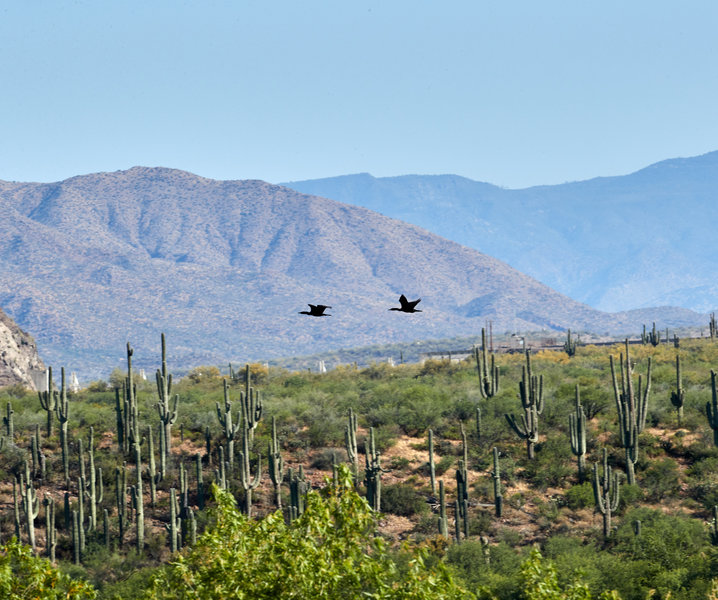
(223, 267)
(640, 240)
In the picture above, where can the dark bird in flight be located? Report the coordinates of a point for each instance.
(406, 306)
(315, 310)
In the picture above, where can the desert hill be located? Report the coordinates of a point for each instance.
(223, 267)
(616, 243)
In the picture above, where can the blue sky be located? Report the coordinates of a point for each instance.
(516, 93)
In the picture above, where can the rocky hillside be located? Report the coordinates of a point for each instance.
(19, 360)
(223, 267)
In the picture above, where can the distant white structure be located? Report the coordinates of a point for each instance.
(74, 383)
(143, 375)
(391, 361)
(322, 367)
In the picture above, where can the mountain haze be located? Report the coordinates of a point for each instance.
(616, 243)
(223, 267)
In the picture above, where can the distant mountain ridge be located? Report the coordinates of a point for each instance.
(223, 268)
(616, 243)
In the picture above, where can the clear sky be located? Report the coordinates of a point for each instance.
(512, 92)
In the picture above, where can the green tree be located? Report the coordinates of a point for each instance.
(540, 582)
(22, 575)
(331, 552)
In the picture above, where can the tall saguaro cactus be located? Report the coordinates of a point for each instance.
(570, 345)
(276, 465)
(350, 442)
(245, 477)
(496, 474)
(229, 426)
(443, 521)
(121, 501)
(531, 396)
(712, 409)
(251, 402)
(432, 464)
(631, 407)
(48, 401)
(31, 507)
(50, 530)
(488, 372)
(8, 422)
(577, 433)
(679, 395)
(373, 470)
(94, 488)
(168, 415)
(655, 336)
(298, 488)
(462, 477)
(62, 411)
(606, 491)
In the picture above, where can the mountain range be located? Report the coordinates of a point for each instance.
(224, 267)
(615, 243)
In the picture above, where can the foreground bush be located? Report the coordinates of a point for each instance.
(332, 551)
(23, 576)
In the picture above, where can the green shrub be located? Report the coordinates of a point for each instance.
(580, 496)
(660, 479)
(403, 500)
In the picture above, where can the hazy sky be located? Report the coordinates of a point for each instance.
(515, 93)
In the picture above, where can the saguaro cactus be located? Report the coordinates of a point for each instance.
(229, 426)
(606, 491)
(76, 549)
(121, 500)
(531, 396)
(373, 470)
(31, 507)
(168, 415)
(251, 402)
(679, 395)
(138, 501)
(276, 465)
(631, 408)
(432, 465)
(712, 409)
(488, 372)
(50, 530)
(153, 476)
(298, 488)
(16, 483)
(570, 345)
(173, 527)
(48, 400)
(8, 422)
(200, 482)
(714, 526)
(577, 433)
(654, 336)
(462, 477)
(443, 522)
(496, 474)
(94, 491)
(350, 441)
(62, 412)
(245, 477)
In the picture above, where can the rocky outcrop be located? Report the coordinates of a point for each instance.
(19, 360)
